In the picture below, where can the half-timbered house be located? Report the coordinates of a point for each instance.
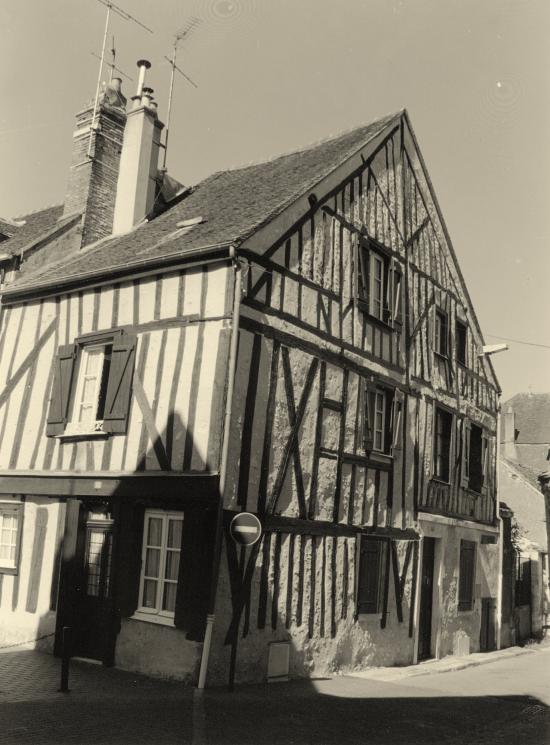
(293, 339)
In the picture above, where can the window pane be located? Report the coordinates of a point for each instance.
(152, 562)
(174, 533)
(155, 531)
(172, 565)
(169, 597)
(150, 593)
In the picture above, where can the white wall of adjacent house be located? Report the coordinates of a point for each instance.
(28, 580)
(455, 631)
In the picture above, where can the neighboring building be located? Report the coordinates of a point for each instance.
(525, 433)
(294, 338)
(525, 594)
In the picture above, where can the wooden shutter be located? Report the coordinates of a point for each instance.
(119, 386)
(128, 552)
(363, 270)
(195, 574)
(465, 460)
(61, 389)
(369, 392)
(397, 416)
(397, 315)
(369, 576)
(467, 575)
(485, 463)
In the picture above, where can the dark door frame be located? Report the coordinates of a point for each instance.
(426, 601)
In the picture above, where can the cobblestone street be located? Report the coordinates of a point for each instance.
(504, 701)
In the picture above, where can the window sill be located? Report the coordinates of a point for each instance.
(364, 308)
(377, 456)
(82, 435)
(440, 480)
(153, 618)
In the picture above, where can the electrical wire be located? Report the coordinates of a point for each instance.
(519, 341)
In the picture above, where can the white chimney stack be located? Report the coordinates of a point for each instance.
(139, 159)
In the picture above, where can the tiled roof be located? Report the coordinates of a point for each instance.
(35, 225)
(233, 204)
(532, 417)
(8, 228)
(519, 490)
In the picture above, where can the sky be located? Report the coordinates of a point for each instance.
(275, 75)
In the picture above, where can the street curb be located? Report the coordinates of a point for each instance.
(438, 667)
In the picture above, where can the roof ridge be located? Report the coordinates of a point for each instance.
(309, 146)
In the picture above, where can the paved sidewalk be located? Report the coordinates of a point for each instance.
(450, 663)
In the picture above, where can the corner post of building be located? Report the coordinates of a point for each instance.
(216, 559)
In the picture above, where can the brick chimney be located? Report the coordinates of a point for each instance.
(137, 177)
(97, 146)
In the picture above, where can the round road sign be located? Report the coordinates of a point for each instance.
(245, 529)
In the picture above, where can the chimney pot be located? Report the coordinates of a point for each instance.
(116, 84)
(143, 66)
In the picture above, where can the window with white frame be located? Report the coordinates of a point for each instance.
(382, 419)
(11, 516)
(379, 283)
(160, 561)
(91, 387)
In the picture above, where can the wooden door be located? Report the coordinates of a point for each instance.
(426, 599)
(94, 602)
(487, 634)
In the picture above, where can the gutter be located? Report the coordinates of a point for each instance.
(216, 559)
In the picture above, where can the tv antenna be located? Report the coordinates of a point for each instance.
(127, 17)
(182, 34)
(112, 63)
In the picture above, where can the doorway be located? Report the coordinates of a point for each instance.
(86, 601)
(426, 599)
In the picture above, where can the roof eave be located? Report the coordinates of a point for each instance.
(216, 252)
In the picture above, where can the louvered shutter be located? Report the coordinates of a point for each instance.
(369, 576)
(397, 315)
(119, 386)
(61, 389)
(465, 460)
(467, 575)
(369, 392)
(485, 464)
(397, 416)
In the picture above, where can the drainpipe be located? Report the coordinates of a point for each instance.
(500, 533)
(223, 476)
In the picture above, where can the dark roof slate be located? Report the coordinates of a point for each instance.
(233, 204)
(532, 417)
(8, 228)
(35, 225)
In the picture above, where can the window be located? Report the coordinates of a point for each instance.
(461, 337)
(160, 561)
(475, 449)
(11, 518)
(442, 444)
(441, 332)
(372, 572)
(92, 385)
(382, 419)
(467, 575)
(379, 286)
(91, 388)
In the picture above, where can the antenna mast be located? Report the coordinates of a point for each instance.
(180, 36)
(127, 17)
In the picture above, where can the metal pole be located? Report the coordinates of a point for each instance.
(66, 648)
(167, 127)
(92, 125)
